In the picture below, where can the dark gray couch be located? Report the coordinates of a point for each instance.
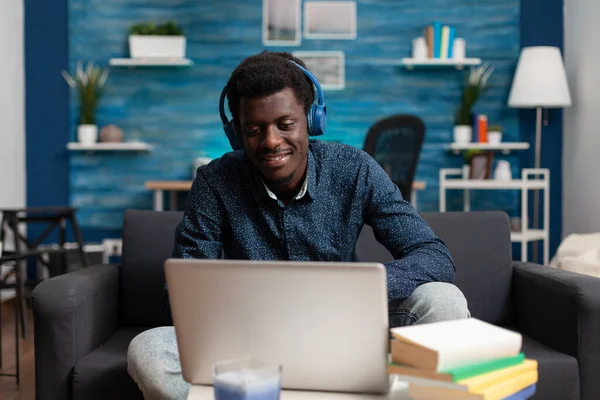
(85, 320)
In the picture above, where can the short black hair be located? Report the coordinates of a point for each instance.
(267, 73)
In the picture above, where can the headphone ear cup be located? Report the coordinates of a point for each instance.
(317, 120)
(230, 132)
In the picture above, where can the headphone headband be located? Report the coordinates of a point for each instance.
(316, 120)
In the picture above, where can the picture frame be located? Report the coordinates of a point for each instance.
(327, 66)
(481, 165)
(282, 23)
(330, 20)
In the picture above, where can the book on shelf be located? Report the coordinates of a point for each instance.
(440, 40)
(462, 359)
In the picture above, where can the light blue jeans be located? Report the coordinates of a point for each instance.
(153, 359)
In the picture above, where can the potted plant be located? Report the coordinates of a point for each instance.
(494, 134)
(89, 84)
(474, 86)
(148, 40)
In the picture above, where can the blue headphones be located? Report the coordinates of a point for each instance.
(316, 119)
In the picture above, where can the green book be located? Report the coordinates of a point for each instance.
(469, 371)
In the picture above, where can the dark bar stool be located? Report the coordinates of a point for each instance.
(25, 247)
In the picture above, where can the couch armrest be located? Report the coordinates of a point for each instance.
(561, 310)
(74, 314)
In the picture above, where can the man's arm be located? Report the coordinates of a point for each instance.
(200, 233)
(419, 255)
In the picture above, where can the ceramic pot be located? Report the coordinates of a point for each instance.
(502, 171)
(462, 134)
(157, 46)
(87, 134)
(494, 137)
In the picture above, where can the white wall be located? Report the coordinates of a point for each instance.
(12, 97)
(581, 149)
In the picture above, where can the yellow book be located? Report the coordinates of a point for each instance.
(445, 42)
(480, 382)
(497, 391)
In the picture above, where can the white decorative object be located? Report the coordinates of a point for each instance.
(494, 137)
(87, 134)
(419, 48)
(459, 49)
(502, 171)
(463, 134)
(281, 23)
(329, 19)
(157, 46)
(329, 67)
(466, 171)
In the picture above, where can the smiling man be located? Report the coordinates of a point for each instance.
(281, 196)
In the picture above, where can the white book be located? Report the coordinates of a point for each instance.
(452, 344)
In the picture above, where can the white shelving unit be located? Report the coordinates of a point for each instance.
(411, 63)
(100, 146)
(505, 147)
(531, 179)
(150, 62)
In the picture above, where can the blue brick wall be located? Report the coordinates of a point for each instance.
(175, 109)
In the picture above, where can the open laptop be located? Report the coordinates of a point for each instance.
(326, 323)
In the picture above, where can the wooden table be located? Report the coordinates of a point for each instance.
(160, 187)
(398, 391)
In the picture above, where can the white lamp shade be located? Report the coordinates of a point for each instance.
(540, 79)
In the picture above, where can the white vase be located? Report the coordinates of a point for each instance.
(494, 137)
(157, 46)
(466, 171)
(502, 171)
(87, 134)
(462, 134)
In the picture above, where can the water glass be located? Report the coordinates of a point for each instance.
(246, 379)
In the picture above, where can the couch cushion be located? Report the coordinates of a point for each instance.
(148, 238)
(479, 243)
(102, 374)
(558, 373)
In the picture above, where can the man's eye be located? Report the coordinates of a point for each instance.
(286, 126)
(251, 131)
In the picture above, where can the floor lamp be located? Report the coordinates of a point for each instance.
(540, 81)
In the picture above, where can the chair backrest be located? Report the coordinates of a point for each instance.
(480, 245)
(148, 238)
(395, 143)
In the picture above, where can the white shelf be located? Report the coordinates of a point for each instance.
(494, 184)
(411, 63)
(505, 147)
(151, 62)
(528, 236)
(126, 146)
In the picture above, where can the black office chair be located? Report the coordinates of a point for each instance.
(395, 143)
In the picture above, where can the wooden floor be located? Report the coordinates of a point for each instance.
(8, 385)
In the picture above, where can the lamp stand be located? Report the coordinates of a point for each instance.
(536, 192)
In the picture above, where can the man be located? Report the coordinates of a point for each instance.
(285, 197)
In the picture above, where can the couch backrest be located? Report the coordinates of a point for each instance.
(148, 238)
(480, 245)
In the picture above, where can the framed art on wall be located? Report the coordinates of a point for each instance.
(330, 20)
(281, 23)
(328, 67)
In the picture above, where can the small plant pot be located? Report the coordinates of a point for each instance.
(462, 134)
(494, 137)
(87, 134)
(156, 46)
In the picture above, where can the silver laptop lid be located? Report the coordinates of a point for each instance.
(326, 323)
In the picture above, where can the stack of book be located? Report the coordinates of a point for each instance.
(463, 359)
(440, 40)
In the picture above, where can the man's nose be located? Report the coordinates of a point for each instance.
(271, 138)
